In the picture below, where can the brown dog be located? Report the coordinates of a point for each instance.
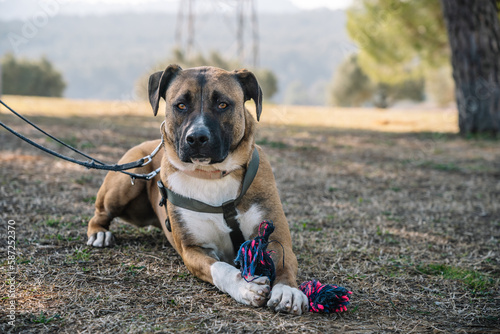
(208, 143)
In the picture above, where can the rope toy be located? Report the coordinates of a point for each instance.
(325, 298)
(255, 261)
(253, 257)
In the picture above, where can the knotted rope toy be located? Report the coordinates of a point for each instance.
(253, 257)
(255, 261)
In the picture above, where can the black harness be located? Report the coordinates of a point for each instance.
(228, 209)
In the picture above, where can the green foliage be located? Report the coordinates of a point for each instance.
(351, 87)
(29, 77)
(267, 79)
(398, 39)
(43, 318)
(80, 255)
(268, 82)
(475, 280)
(411, 89)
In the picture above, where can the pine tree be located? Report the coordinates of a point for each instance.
(29, 77)
(474, 32)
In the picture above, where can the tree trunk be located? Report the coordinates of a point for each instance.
(474, 34)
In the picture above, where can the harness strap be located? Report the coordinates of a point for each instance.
(228, 209)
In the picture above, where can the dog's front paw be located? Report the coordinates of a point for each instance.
(101, 239)
(287, 299)
(228, 279)
(254, 292)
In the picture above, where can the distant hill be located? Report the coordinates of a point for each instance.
(101, 56)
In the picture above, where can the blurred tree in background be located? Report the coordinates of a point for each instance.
(351, 87)
(398, 39)
(266, 78)
(401, 40)
(29, 77)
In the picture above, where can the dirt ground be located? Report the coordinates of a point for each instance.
(410, 222)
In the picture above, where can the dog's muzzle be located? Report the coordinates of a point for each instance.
(201, 146)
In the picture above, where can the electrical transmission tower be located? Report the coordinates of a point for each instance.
(246, 14)
(244, 9)
(183, 6)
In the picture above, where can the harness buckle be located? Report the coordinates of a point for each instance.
(148, 160)
(163, 193)
(152, 174)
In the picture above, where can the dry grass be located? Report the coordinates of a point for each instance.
(391, 120)
(410, 222)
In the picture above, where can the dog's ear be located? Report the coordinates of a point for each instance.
(251, 89)
(158, 85)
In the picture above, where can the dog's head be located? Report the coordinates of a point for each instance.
(206, 118)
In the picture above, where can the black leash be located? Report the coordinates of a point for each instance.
(94, 163)
(228, 209)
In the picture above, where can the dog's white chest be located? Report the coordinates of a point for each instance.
(210, 231)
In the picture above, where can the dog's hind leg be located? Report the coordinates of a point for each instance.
(109, 204)
(118, 197)
(103, 237)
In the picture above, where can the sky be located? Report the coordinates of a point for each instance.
(302, 4)
(332, 4)
(25, 9)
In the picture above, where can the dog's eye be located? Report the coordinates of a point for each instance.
(223, 105)
(181, 106)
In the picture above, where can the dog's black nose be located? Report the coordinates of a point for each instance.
(198, 138)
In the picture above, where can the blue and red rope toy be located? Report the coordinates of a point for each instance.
(255, 261)
(253, 258)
